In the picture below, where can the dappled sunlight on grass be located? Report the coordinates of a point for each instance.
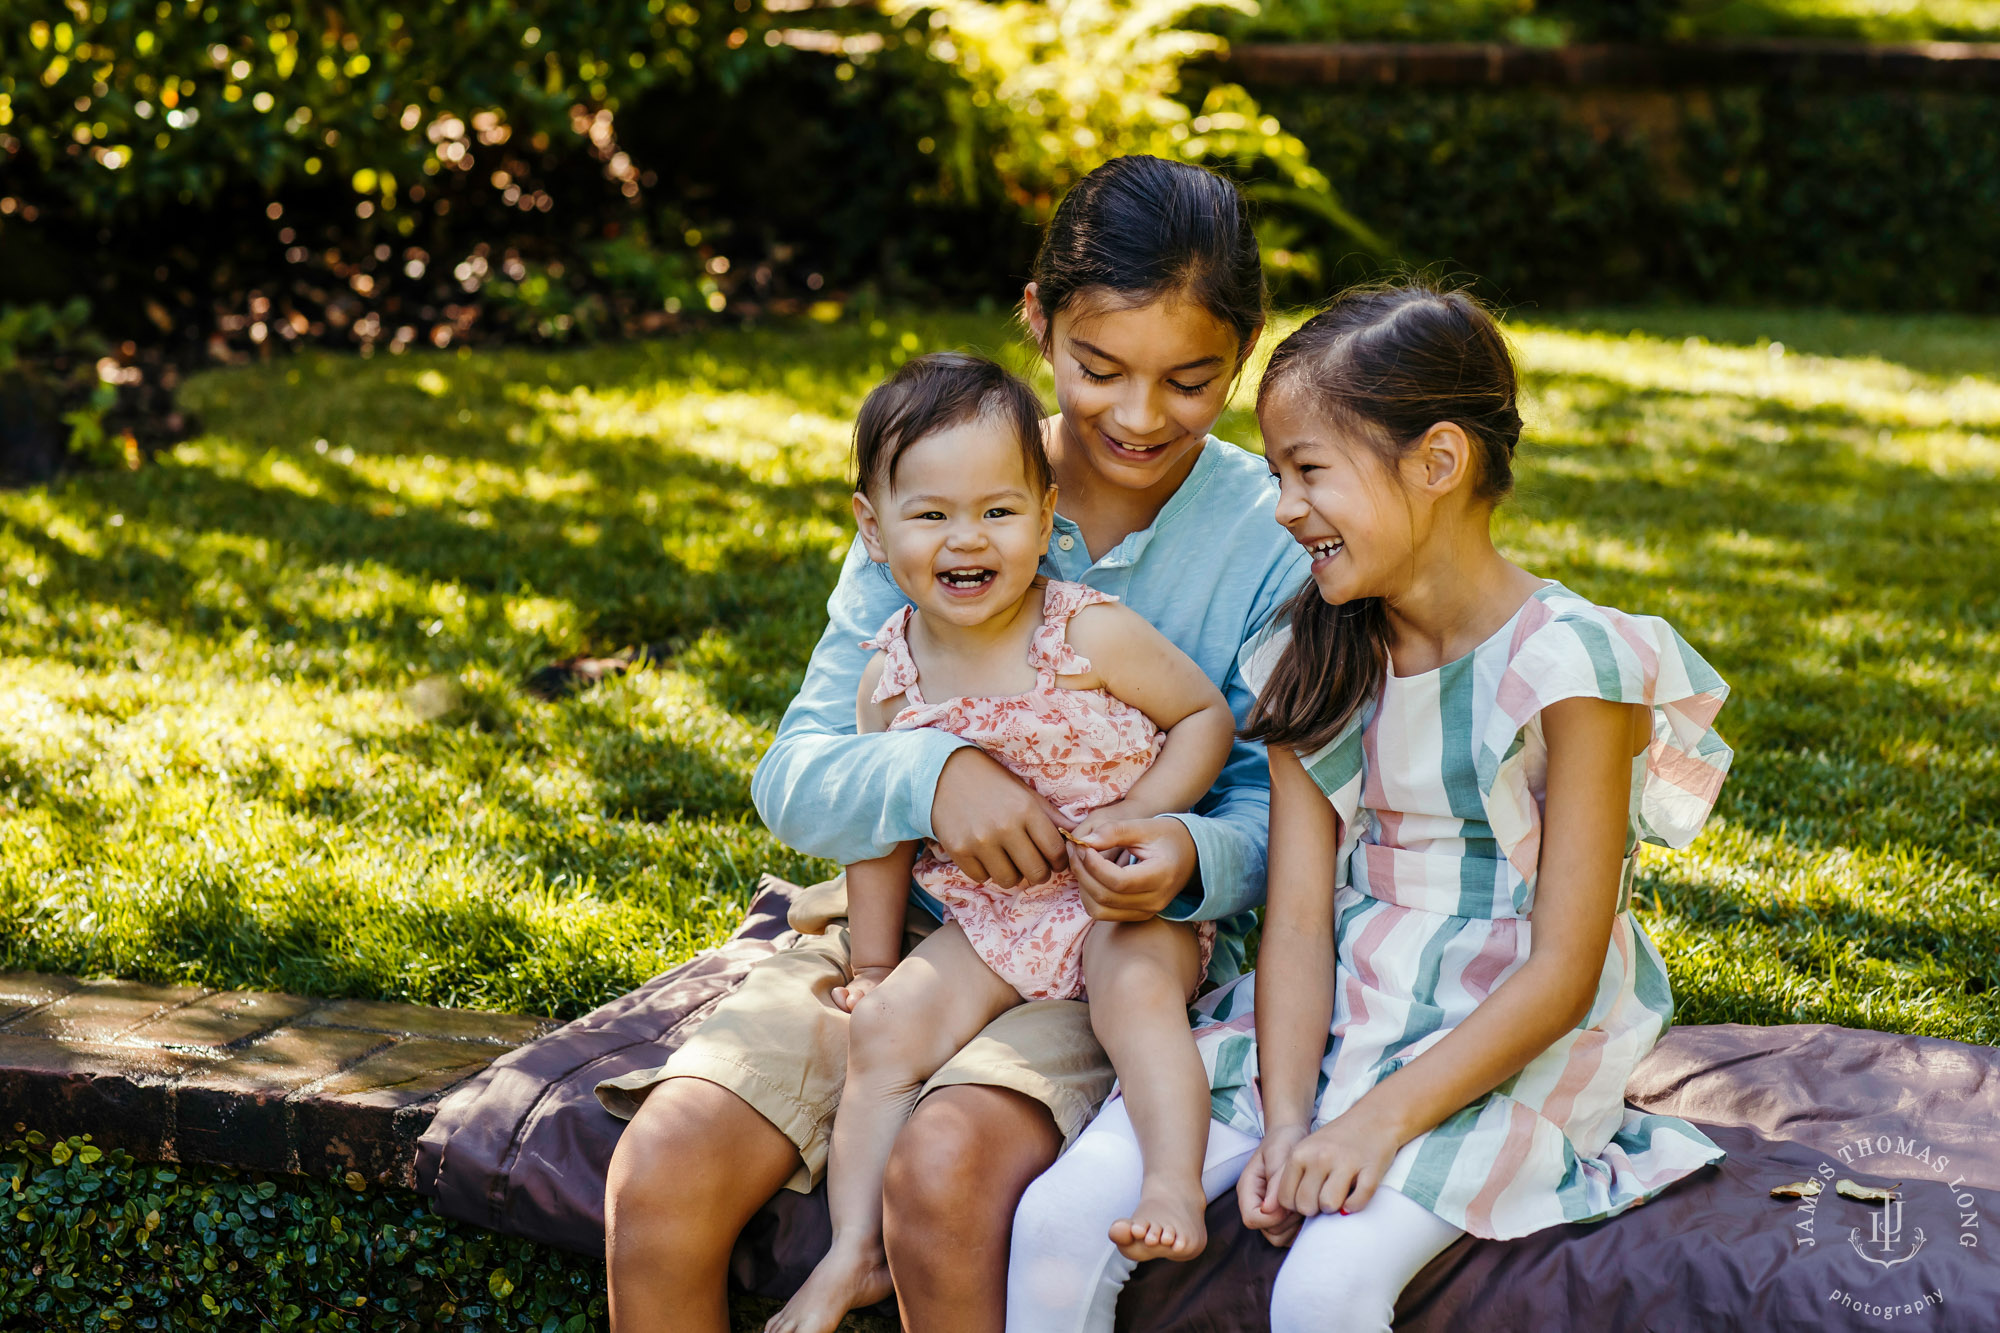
(1885, 393)
(758, 431)
(1821, 526)
(262, 718)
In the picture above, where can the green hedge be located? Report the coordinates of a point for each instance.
(1862, 199)
(94, 1241)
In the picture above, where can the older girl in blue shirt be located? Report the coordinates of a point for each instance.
(1146, 302)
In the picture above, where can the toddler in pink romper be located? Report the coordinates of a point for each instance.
(1079, 749)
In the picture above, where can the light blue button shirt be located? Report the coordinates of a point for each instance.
(1208, 572)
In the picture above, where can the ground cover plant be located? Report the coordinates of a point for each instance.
(108, 1244)
(262, 716)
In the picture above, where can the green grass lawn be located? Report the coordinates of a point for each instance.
(262, 724)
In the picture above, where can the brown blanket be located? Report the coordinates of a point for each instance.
(523, 1149)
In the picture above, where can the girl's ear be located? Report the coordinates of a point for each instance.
(871, 529)
(1032, 316)
(1442, 459)
(1048, 515)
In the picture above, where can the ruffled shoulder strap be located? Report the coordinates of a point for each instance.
(1049, 652)
(1565, 647)
(899, 674)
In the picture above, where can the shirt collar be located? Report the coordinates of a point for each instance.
(1127, 552)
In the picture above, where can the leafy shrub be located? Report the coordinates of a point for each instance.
(253, 172)
(53, 403)
(94, 1241)
(48, 357)
(246, 174)
(179, 102)
(273, 170)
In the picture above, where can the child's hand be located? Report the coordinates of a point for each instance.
(1094, 824)
(1132, 869)
(1267, 1164)
(865, 979)
(1335, 1169)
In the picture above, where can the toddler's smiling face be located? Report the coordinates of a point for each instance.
(961, 526)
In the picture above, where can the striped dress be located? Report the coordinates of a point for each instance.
(1438, 786)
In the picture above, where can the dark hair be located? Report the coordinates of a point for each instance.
(931, 393)
(1143, 228)
(1390, 362)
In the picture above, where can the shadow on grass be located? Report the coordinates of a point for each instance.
(1845, 593)
(1970, 950)
(626, 587)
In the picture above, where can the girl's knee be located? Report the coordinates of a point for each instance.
(1046, 1215)
(870, 1026)
(1062, 1263)
(1346, 1271)
(1069, 1206)
(1329, 1297)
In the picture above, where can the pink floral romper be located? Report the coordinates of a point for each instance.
(1080, 749)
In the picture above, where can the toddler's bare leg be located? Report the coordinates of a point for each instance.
(1140, 975)
(935, 1002)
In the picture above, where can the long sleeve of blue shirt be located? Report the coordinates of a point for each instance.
(1231, 825)
(822, 787)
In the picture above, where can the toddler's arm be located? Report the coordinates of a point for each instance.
(1136, 663)
(878, 890)
(878, 893)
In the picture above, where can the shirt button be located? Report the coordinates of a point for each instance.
(1066, 542)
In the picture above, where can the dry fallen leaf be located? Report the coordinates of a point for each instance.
(1848, 1189)
(1798, 1189)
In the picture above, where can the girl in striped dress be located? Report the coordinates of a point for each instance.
(1452, 989)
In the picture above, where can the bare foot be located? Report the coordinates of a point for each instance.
(847, 1279)
(1167, 1224)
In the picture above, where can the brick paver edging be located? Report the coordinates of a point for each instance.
(238, 1078)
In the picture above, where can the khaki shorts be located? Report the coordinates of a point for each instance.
(780, 1043)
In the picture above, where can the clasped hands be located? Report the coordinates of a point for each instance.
(1296, 1173)
(999, 831)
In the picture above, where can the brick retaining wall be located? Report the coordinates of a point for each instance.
(1952, 65)
(238, 1078)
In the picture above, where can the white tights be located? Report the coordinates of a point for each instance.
(1343, 1273)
